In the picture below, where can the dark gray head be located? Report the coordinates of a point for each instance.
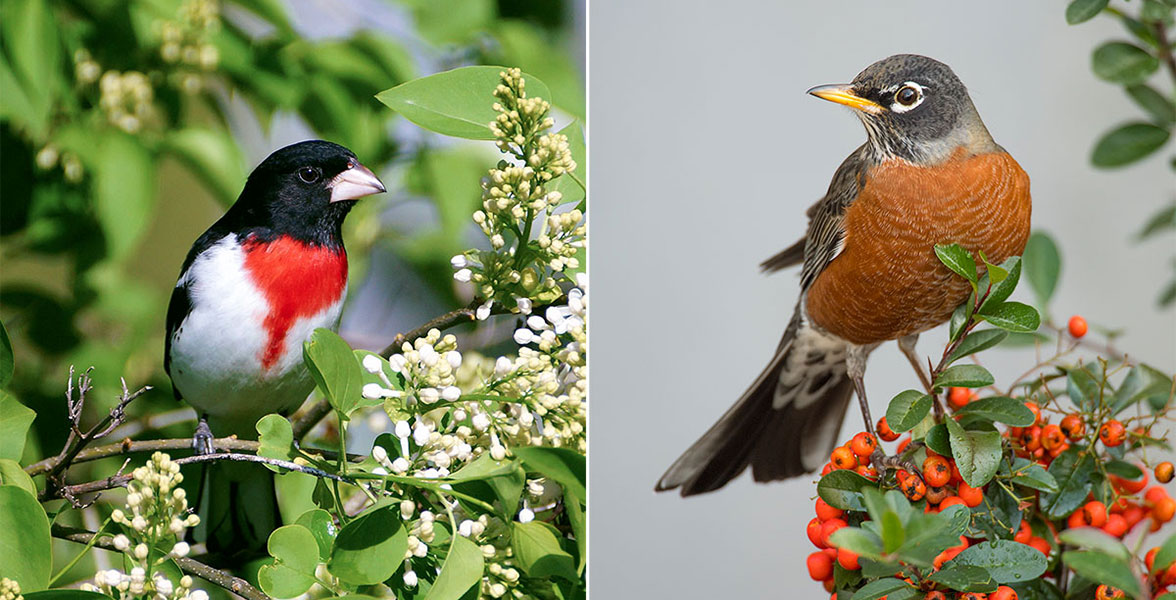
(913, 108)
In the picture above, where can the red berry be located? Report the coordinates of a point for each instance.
(863, 444)
(914, 488)
(814, 533)
(1052, 437)
(847, 559)
(827, 529)
(884, 431)
(1164, 472)
(820, 566)
(970, 495)
(1116, 525)
(1074, 427)
(959, 397)
(935, 595)
(1003, 592)
(826, 512)
(1106, 592)
(1164, 510)
(1111, 433)
(1094, 513)
(1040, 544)
(1077, 326)
(936, 471)
(843, 458)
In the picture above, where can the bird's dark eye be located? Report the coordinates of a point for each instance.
(309, 174)
(907, 95)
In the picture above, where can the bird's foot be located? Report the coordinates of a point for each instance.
(202, 439)
(880, 461)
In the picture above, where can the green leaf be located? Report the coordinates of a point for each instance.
(456, 103)
(538, 553)
(841, 488)
(1013, 316)
(1042, 263)
(959, 260)
(322, 526)
(959, 318)
(977, 453)
(7, 360)
(275, 439)
(567, 468)
(938, 440)
(565, 185)
(124, 192)
(1159, 108)
(33, 44)
(858, 540)
(1128, 143)
(12, 474)
(24, 539)
(1082, 387)
(969, 376)
(1162, 220)
(1072, 471)
(1120, 62)
(1035, 476)
(335, 369)
(295, 553)
(1005, 560)
(879, 588)
(1103, 568)
(1002, 289)
(1166, 555)
(369, 549)
(492, 481)
(893, 535)
(907, 409)
(977, 341)
(462, 570)
(998, 408)
(15, 419)
(1142, 383)
(964, 578)
(1093, 538)
(65, 594)
(214, 156)
(1080, 11)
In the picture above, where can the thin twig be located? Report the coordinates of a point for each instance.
(190, 566)
(1166, 53)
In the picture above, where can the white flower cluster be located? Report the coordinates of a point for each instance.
(515, 197)
(126, 99)
(9, 589)
(185, 42)
(156, 516)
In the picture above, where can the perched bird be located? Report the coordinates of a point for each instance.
(252, 289)
(929, 173)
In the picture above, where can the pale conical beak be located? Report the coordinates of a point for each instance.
(844, 94)
(354, 183)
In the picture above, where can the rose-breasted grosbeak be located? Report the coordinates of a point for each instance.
(252, 289)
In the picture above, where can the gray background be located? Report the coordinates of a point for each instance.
(706, 151)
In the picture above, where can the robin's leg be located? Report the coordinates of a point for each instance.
(202, 439)
(855, 362)
(907, 345)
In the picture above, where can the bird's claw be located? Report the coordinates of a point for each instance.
(880, 461)
(202, 439)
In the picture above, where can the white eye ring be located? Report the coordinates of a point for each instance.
(901, 108)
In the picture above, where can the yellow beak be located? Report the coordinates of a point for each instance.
(843, 94)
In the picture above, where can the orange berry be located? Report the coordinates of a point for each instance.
(827, 529)
(814, 533)
(946, 555)
(1003, 592)
(935, 495)
(1074, 427)
(1031, 438)
(935, 595)
(828, 583)
(970, 495)
(1154, 494)
(1111, 433)
(1036, 410)
(1164, 472)
(826, 512)
(1040, 544)
(828, 469)
(1150, 559)
(1116, 525)
(847, 559)
(959, 397)
(1024, 533)
(1128, 486)
(863, 444)
(902, 446)
(1077, 326)
(936, 471)
(972, 596)
(884, 431)
(1094, 513)
(820, 566)
(1052, 437)
(914, 488)
(843, 458)
(1106, 592)
(1164, 510)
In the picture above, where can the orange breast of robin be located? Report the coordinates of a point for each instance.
(887, 282)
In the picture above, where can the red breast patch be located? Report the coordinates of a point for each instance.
(297, 279)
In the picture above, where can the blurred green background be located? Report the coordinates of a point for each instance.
(126, 128)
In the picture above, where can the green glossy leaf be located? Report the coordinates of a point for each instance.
(1162, 220)
(538, 552)
(977, 453)
(841, 488)
(977, 341)
(1128, 143)
(1072, 471)
(938, 440)
(893, 535)
(275, 438)
(335, 369)
(1142, 383)
(7, 360)
(879, 588)
(907, 409)
(12, 474)
(24, 539)
(461, 571)
(1082, 386)
(964, 578)
(1159, 108)
(321, 525)
(959, 260)
(567, 468)
(1120, 62)
(1035, 476)
(1166, 555)
(1005, 560)
(1042, 263)
(296, 557)
(969, 376)
(959, 318)
(998, 408)
(1002, 289)
(1014, 316)
(1079, 11)
(369, 549)
(124, 192)
(1103, 568)
(15, 419)
(33, 43)
(1093, 538)
(494, 481)
(857, 540)
(456, 102)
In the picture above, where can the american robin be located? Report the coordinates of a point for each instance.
(929, 173)
(252, 289)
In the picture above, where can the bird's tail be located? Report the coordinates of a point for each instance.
(238, 509)
(785, 425)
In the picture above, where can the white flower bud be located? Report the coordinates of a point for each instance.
(400, 465)
(453, 357)
(429, 395)
(410, 579)
(465, 528)
(373, 391)
(380, 454)
(402, 429)
(121, 542)
(463, 275)
(141, 551)
(523, 336)
(524, 305)
(407, 507)
(481, 421)
(460, 261)
(180, 549)
(372, 363)
(451, 393)
(497, 452)
(483, 311)
(526, 515)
